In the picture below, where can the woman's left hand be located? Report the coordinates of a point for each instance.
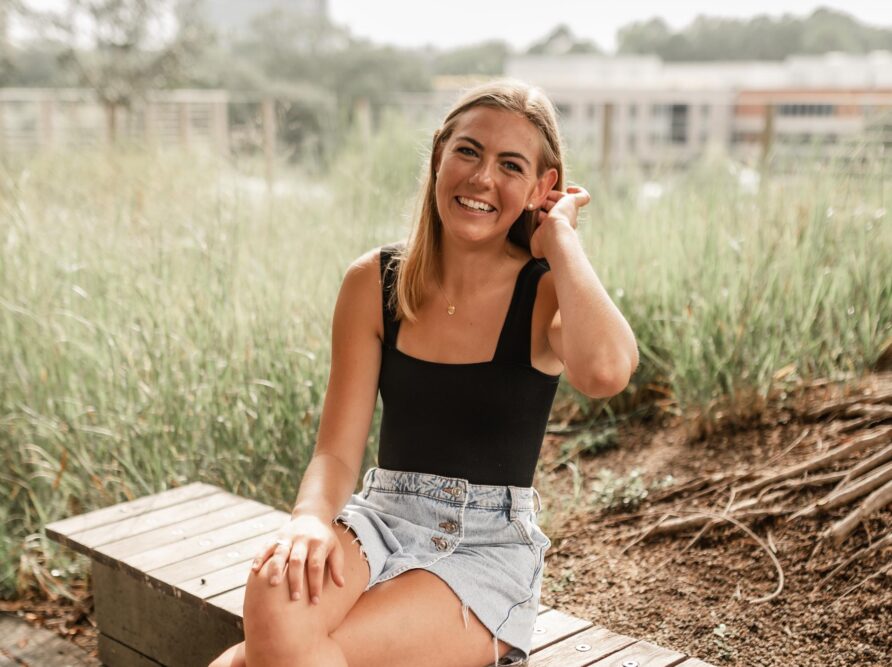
(559, 210)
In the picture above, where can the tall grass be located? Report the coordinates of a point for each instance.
(165, 320)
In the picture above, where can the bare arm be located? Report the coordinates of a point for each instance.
(588, 332)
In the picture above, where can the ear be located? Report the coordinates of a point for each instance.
(544, 185)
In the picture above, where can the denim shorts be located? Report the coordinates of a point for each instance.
(482, 540)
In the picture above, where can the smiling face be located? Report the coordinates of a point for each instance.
(487, 173)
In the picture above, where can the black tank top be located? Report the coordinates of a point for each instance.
(483, 421)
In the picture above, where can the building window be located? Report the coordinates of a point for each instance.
(591, 111)
(704, 110)
(631, 143)
(633, 111)
(806, 109)
(678, 127)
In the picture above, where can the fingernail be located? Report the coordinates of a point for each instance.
(274, 581)
(295, 596)
(315, 599)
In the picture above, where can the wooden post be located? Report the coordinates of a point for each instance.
(221, 126)
(45, 124)
(269, 137)
(607, 127)
(185, 124)
(767, 132)
(2, 129)
(148, 122)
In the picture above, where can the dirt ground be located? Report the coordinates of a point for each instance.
(694, 599)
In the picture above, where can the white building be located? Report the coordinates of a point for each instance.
(640, 109)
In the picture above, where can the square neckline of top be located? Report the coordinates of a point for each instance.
(512, 304)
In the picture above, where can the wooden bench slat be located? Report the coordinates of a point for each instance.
(149, 521)
(181, 533)
(232, 601)
(184, 550)
(63, 529)
(213, 560)
(552, 626)
(581, 649)
(214, 583)
(645, 654)
(694, 662)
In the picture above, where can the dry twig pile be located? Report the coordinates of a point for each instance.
(844, 463)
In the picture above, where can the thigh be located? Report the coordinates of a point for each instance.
(276, 623)
(414, 619)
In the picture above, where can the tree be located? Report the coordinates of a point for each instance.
(123, 48)
(561, 41)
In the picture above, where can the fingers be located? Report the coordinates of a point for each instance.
(263, 556)
(315, 572)
(277, 562)
(296, 560)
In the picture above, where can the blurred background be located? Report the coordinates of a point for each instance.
(183, 184)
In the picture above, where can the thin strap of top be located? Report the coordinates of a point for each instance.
(388, 284)
(515, 338)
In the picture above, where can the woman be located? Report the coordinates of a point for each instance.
(438, 560)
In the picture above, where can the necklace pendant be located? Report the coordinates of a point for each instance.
(451, 310)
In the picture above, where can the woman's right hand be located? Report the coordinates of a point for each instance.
(304, 540)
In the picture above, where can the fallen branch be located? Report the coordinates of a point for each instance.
(838, 405)
(774, 560)
(843, 528)
(868, 464)
(881, 435)
(861, 553)
(701, 517)
(882, 570)
(880, 411)
(848, 494)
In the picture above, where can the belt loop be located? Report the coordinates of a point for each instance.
(538, 505)
(515, 501)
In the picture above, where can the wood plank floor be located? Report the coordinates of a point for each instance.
(194, 545)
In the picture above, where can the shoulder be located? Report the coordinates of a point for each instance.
(361, 289)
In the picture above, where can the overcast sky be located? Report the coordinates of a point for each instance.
(457, 22)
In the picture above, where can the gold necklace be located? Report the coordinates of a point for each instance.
(451, 308)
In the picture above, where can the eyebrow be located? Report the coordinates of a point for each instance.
(476, 143)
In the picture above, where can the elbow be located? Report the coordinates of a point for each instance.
(599, 384)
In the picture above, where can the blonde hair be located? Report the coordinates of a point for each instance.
(418, 263)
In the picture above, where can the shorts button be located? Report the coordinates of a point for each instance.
(449, 526)
(441, 543)
(453, 491)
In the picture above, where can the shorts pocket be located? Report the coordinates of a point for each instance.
(529, 530)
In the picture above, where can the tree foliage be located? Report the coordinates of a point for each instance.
(759, 38)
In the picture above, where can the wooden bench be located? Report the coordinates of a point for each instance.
(169, 572)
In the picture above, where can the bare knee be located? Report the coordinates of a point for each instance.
(234, 656)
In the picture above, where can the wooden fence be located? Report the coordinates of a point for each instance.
(35, 118)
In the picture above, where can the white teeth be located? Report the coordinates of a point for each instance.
(479, 205)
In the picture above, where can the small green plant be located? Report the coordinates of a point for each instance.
(615, 492)
(721, 638)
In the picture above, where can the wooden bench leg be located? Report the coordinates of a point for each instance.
(137, 620)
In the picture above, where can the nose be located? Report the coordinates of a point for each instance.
(482, 176)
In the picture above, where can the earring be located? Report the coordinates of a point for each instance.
(530, 206)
